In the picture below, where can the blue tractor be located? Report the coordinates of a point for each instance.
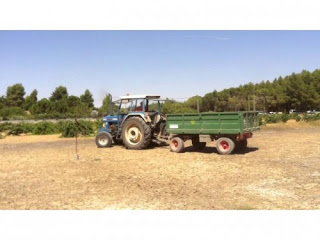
(139, 122)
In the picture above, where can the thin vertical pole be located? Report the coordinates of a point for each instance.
(76, 135)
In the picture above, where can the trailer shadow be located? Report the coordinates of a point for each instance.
(210, 150)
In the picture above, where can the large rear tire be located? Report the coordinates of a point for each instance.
(103, 139)
(136, 133)
(225, 146)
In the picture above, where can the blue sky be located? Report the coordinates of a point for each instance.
(174, 64)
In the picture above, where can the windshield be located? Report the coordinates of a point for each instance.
(125, 106)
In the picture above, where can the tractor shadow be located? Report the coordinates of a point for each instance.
(210, 150)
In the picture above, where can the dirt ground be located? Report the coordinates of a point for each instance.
(279, 170)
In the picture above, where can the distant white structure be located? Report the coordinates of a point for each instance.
(94, 113)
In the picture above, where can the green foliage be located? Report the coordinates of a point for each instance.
(87, 98)
(273, 118)
(17, 129)
(66, 128)
(296, 91)
(105, 104)
(44, 128)
(73, 101)
(15, 95)
(3, 102)
(5, 127)
(59, 93)
(84, 128)
(43, 106)
(261, 121)
(193, 102)
(284, 117)
(171, 106)
(30, 100)
(313, 117)
(298, 118)
(8, 112)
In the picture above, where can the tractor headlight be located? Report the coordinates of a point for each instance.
(104, 125)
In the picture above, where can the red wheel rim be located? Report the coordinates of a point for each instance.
(224, 145)
(175, 143)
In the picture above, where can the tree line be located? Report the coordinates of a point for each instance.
(296, 91)
(59, 105)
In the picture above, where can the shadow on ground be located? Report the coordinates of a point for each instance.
(210, 150)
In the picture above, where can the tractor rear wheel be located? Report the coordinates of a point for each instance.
(103, 139)
(136, 133)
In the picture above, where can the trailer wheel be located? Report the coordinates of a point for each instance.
(103, 139)
(136, 133)
(176, 145)
(198, 145)
(225, 146)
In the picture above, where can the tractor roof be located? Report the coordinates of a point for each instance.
(142, 96)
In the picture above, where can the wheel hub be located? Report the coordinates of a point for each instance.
(224, 145)
(133, 135)
(103, 140)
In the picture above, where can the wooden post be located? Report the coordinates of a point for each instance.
(76, 156)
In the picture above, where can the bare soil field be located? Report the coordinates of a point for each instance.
(279, 170)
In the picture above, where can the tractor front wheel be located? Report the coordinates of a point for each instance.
(103, 139)
(136, 133)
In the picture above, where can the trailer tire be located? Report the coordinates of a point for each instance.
(198, 145)
(103, 139)
(177, 145)
(225, 146)
(136, 133)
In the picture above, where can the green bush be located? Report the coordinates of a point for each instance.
(298, 118)
(44, 128)
(5, 126)
(8, 112)
(84, 128)
(97, 125)
(284, 117)
(17, 129)
(273, 118)
(313, 117)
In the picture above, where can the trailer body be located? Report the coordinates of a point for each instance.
(213, 123)
(230, 129)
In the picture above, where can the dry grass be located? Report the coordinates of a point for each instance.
(280, 170)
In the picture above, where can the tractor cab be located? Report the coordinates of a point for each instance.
(144, 110)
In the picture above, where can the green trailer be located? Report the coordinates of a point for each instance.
(230, 129)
